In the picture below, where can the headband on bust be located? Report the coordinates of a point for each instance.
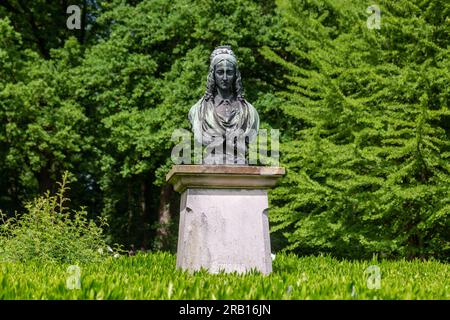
(223, 53)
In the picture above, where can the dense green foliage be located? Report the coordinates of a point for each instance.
(106, 111)
(369, 157)
(49, 232)
(153, 276)
(363, 113)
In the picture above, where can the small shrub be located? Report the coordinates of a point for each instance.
(49, 231)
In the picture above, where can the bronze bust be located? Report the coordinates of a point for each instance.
(222, 120)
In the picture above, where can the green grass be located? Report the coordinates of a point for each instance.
(154, 276)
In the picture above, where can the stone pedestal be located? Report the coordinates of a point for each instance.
(224, 217)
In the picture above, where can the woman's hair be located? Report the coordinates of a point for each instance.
(211, 89)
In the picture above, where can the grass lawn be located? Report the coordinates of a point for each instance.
(153, 276)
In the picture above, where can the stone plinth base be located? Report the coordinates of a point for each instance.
(224, 217)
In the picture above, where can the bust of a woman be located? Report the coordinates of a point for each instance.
(222, 118)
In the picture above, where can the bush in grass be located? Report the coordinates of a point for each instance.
(49, 231)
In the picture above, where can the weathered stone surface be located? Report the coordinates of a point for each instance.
(224, 217)
(224, 229)
(223, 176)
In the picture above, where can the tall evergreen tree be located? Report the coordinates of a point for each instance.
(368, 156)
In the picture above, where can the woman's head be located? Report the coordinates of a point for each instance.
(223, 73)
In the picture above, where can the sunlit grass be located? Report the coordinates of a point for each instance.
(154, 276)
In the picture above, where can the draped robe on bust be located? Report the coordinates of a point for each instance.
(217, 121)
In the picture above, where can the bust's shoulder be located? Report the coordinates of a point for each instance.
(197, 105)
(249, 105)
(196, 110)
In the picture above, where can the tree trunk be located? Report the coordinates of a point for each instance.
(44, 180)
(83, 23)
(130, 209)
(145, 214)
(163, 232)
